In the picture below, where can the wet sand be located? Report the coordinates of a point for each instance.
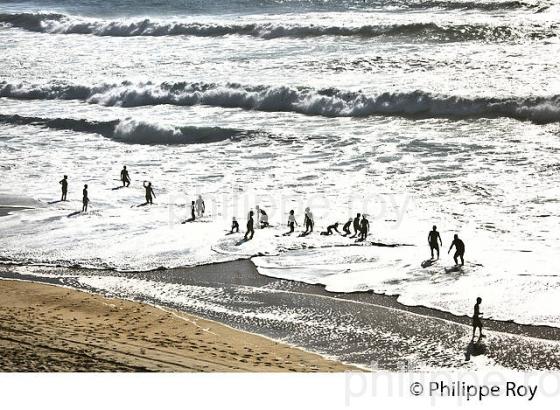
(365, 329)
(49, 328)
(7, 210)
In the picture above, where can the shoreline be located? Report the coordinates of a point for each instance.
(364, 330)
(11, 204)
(71, 330)
(539, 331)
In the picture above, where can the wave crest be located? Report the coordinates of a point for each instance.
(326, 102)
(62, 24)
(132, 131)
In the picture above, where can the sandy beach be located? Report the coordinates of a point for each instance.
(49, 328)
(365, 329)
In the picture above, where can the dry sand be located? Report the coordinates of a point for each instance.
(49, 328)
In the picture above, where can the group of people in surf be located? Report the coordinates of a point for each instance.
(359, 224)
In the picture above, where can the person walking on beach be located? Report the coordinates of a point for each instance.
(291, 222)
(64, 183)
(364, 228)
(125, 178)
(433, 237)
(330, 229)
(85, 199)
(346, 227)
(309, 222)
(234, 225)
(200, 206)
(356, 225)
(459, 249)
(149, 192)
(476, 320)
(250, 227)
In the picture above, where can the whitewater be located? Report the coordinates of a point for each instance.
(413, 112)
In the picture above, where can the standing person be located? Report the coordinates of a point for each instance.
(200, 206)
(476, 321)
(125, 178)
(459, 249)
(191, 219)
(250, 227)
(309, 222)
(364, 228)
(291, 222)
(149, 192)
(64, 183)
(346, 227)
(356, 225)
(85, 199)
(234, 226)
(433, 237)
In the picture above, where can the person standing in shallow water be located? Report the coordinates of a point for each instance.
(364, 228)
(356, 225)
(459, 249)
(309, 222)
(234, 226)
(200, 206)
(476, 320)
(64, 183)
(291, 222)
(250, 227)
(433, 237)
(125, 178)
(85, 199)
(149, 192)
(192, 218)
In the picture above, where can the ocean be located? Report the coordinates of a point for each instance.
(416, 113)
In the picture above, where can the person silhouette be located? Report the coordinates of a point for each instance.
(330, 229)
(459, 249)
(364, 228)
(64, 183)
(125, 178)
(234, 225)
(250, 227)
(356, 225)
(192, 218)
(433, 237)
(476, 320)
(150, 194)
(291, 222)
(200, 206)
(85, 199)
(309, 222)
(263, 219)
(346, 227)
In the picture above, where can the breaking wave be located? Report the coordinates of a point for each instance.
(63, 24)
(330, 102)
(132, 131)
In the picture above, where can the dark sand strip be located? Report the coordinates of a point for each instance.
(7, 210)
